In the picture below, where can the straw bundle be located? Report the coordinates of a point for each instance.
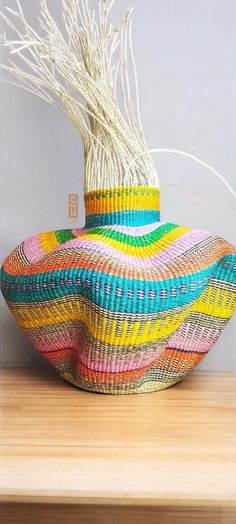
(83, 70)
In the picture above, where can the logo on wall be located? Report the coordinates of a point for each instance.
(73, 207)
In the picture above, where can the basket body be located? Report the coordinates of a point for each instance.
(127, 304)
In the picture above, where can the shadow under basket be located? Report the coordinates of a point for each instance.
(127, 304)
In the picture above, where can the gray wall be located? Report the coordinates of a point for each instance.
(186, 60)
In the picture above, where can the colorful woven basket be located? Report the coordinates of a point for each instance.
(127, 304)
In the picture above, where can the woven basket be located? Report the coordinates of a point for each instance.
(127, 304)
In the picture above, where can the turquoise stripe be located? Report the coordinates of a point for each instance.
(128, 218)
(113, 293)
(225, 269)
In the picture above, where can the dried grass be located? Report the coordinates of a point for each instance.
(83, 71)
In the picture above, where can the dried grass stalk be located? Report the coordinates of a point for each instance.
(83, 71)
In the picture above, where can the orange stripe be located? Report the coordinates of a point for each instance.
(109, 205)
(83, 372)
(106, 265)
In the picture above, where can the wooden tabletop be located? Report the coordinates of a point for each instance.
(170, 454)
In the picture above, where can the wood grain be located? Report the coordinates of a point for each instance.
(74, 514)
(117, 459)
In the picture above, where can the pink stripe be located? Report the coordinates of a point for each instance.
(191, 337)
(187, 337)
(33, 249)
(79, 231)
(177, 248)
(128, 362)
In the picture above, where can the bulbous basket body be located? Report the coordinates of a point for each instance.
(127, 304)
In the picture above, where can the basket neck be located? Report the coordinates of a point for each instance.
(127, 205)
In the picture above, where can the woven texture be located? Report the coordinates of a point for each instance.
(127, 304)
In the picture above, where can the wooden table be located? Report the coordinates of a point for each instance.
(72, 456)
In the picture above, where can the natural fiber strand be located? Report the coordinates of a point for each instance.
(84, 73)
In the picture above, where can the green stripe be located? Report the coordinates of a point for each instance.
(127, 191)
(62, 235)
(141, 241)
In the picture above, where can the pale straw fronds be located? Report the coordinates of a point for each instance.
(83, 71)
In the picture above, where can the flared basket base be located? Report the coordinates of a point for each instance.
(149, 387)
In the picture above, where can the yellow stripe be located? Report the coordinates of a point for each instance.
(215, 302)
(140, 251)
(110, 205)
(103, 329)
(122, 199)
(48, 241)
(119, 204)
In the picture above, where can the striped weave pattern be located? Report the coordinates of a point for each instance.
(127, 304)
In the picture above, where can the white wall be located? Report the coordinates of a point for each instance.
(186, 60)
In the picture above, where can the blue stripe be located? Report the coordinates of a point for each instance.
(113, 293)
(128, 218)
